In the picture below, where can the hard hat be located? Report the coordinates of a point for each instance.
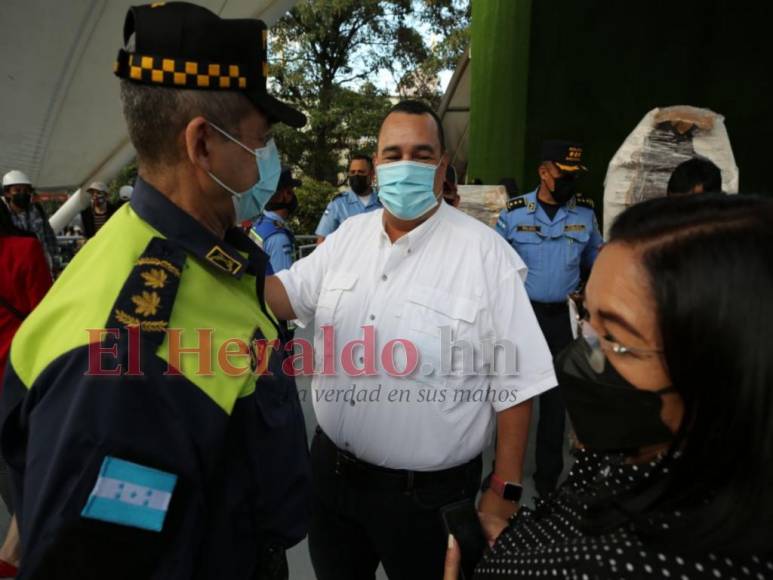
(15, 177)
(97, 185)
(125, 193)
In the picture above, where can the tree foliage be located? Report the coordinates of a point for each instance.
(327, 56)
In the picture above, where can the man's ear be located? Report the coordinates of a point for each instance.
(198, 135)
(440, 174)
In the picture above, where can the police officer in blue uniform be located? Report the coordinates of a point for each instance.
(554, 230)
(141, 443)
(360, 198)
(270, 231)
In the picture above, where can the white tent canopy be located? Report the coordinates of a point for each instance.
(454, 113)
(61, 116)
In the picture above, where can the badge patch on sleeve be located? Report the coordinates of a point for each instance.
(130, 494)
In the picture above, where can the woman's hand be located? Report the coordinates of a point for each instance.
(453, 559)
(492, 525)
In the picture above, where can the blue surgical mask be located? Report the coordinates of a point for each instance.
(406, 188)
(248, 204)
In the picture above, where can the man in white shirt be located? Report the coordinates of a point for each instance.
(391, 449)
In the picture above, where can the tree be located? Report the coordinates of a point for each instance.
(327, 54)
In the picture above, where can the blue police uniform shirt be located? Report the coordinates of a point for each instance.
(271, 233)
(555, 251)
(342, 206)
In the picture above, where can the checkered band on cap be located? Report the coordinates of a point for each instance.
(184, 74)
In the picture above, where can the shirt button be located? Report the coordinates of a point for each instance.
(372, 317)
(384, 277)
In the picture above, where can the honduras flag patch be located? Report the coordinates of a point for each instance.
(130, 494)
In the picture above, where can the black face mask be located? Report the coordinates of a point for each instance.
(359, 184)
(21, 200)
(563, 189)
(608, 413)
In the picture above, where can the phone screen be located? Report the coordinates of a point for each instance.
(461, 520)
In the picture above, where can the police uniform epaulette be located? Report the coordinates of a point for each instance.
(515, 203)
(147, 296)
(585, 202)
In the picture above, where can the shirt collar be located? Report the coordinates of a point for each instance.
(270, 215)
(352, 197)
(532, 202)
(413, 239)
(180, 227)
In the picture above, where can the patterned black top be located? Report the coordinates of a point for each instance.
(547, 542)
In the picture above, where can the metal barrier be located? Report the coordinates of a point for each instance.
(304, 249)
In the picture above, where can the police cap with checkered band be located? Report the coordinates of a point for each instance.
(184, 46)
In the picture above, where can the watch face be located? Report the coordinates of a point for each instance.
(512, 492)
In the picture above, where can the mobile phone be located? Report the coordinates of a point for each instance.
(461, 520)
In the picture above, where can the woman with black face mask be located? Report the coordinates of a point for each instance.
(669, 386)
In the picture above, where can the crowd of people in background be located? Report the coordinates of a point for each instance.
(655, 344)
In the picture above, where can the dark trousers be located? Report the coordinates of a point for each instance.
(361, 519)
(554, 322)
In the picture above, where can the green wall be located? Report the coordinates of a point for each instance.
(499, 88)
(596, 67)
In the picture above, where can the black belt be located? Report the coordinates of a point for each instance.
(373, 477)
(549, 307)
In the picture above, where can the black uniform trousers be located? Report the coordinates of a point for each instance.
(554, 321)
(363, 515)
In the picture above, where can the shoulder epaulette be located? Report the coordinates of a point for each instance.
(515, 203)
(147, 297)
(585, 202)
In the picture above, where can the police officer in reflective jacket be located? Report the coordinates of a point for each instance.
(270, 231)
(555, 232)
(149, 426)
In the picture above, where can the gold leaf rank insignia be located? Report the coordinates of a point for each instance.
(155, 278)
(147, 303)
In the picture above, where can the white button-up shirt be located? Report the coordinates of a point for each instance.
(451, 278)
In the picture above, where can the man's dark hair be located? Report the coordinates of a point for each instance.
(694, 172)
(155, 116)
(362, 157)
(413, 107)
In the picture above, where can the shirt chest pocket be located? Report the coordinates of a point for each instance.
(576, 240)
(335, 286)
(528, 243)
(435, 321)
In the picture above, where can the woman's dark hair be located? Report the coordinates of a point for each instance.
(710, 263)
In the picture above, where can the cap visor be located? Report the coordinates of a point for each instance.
(278, 111)
(570, 168)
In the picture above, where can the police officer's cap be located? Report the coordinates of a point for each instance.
(184, 46)
(286, 179)
(566, 155)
